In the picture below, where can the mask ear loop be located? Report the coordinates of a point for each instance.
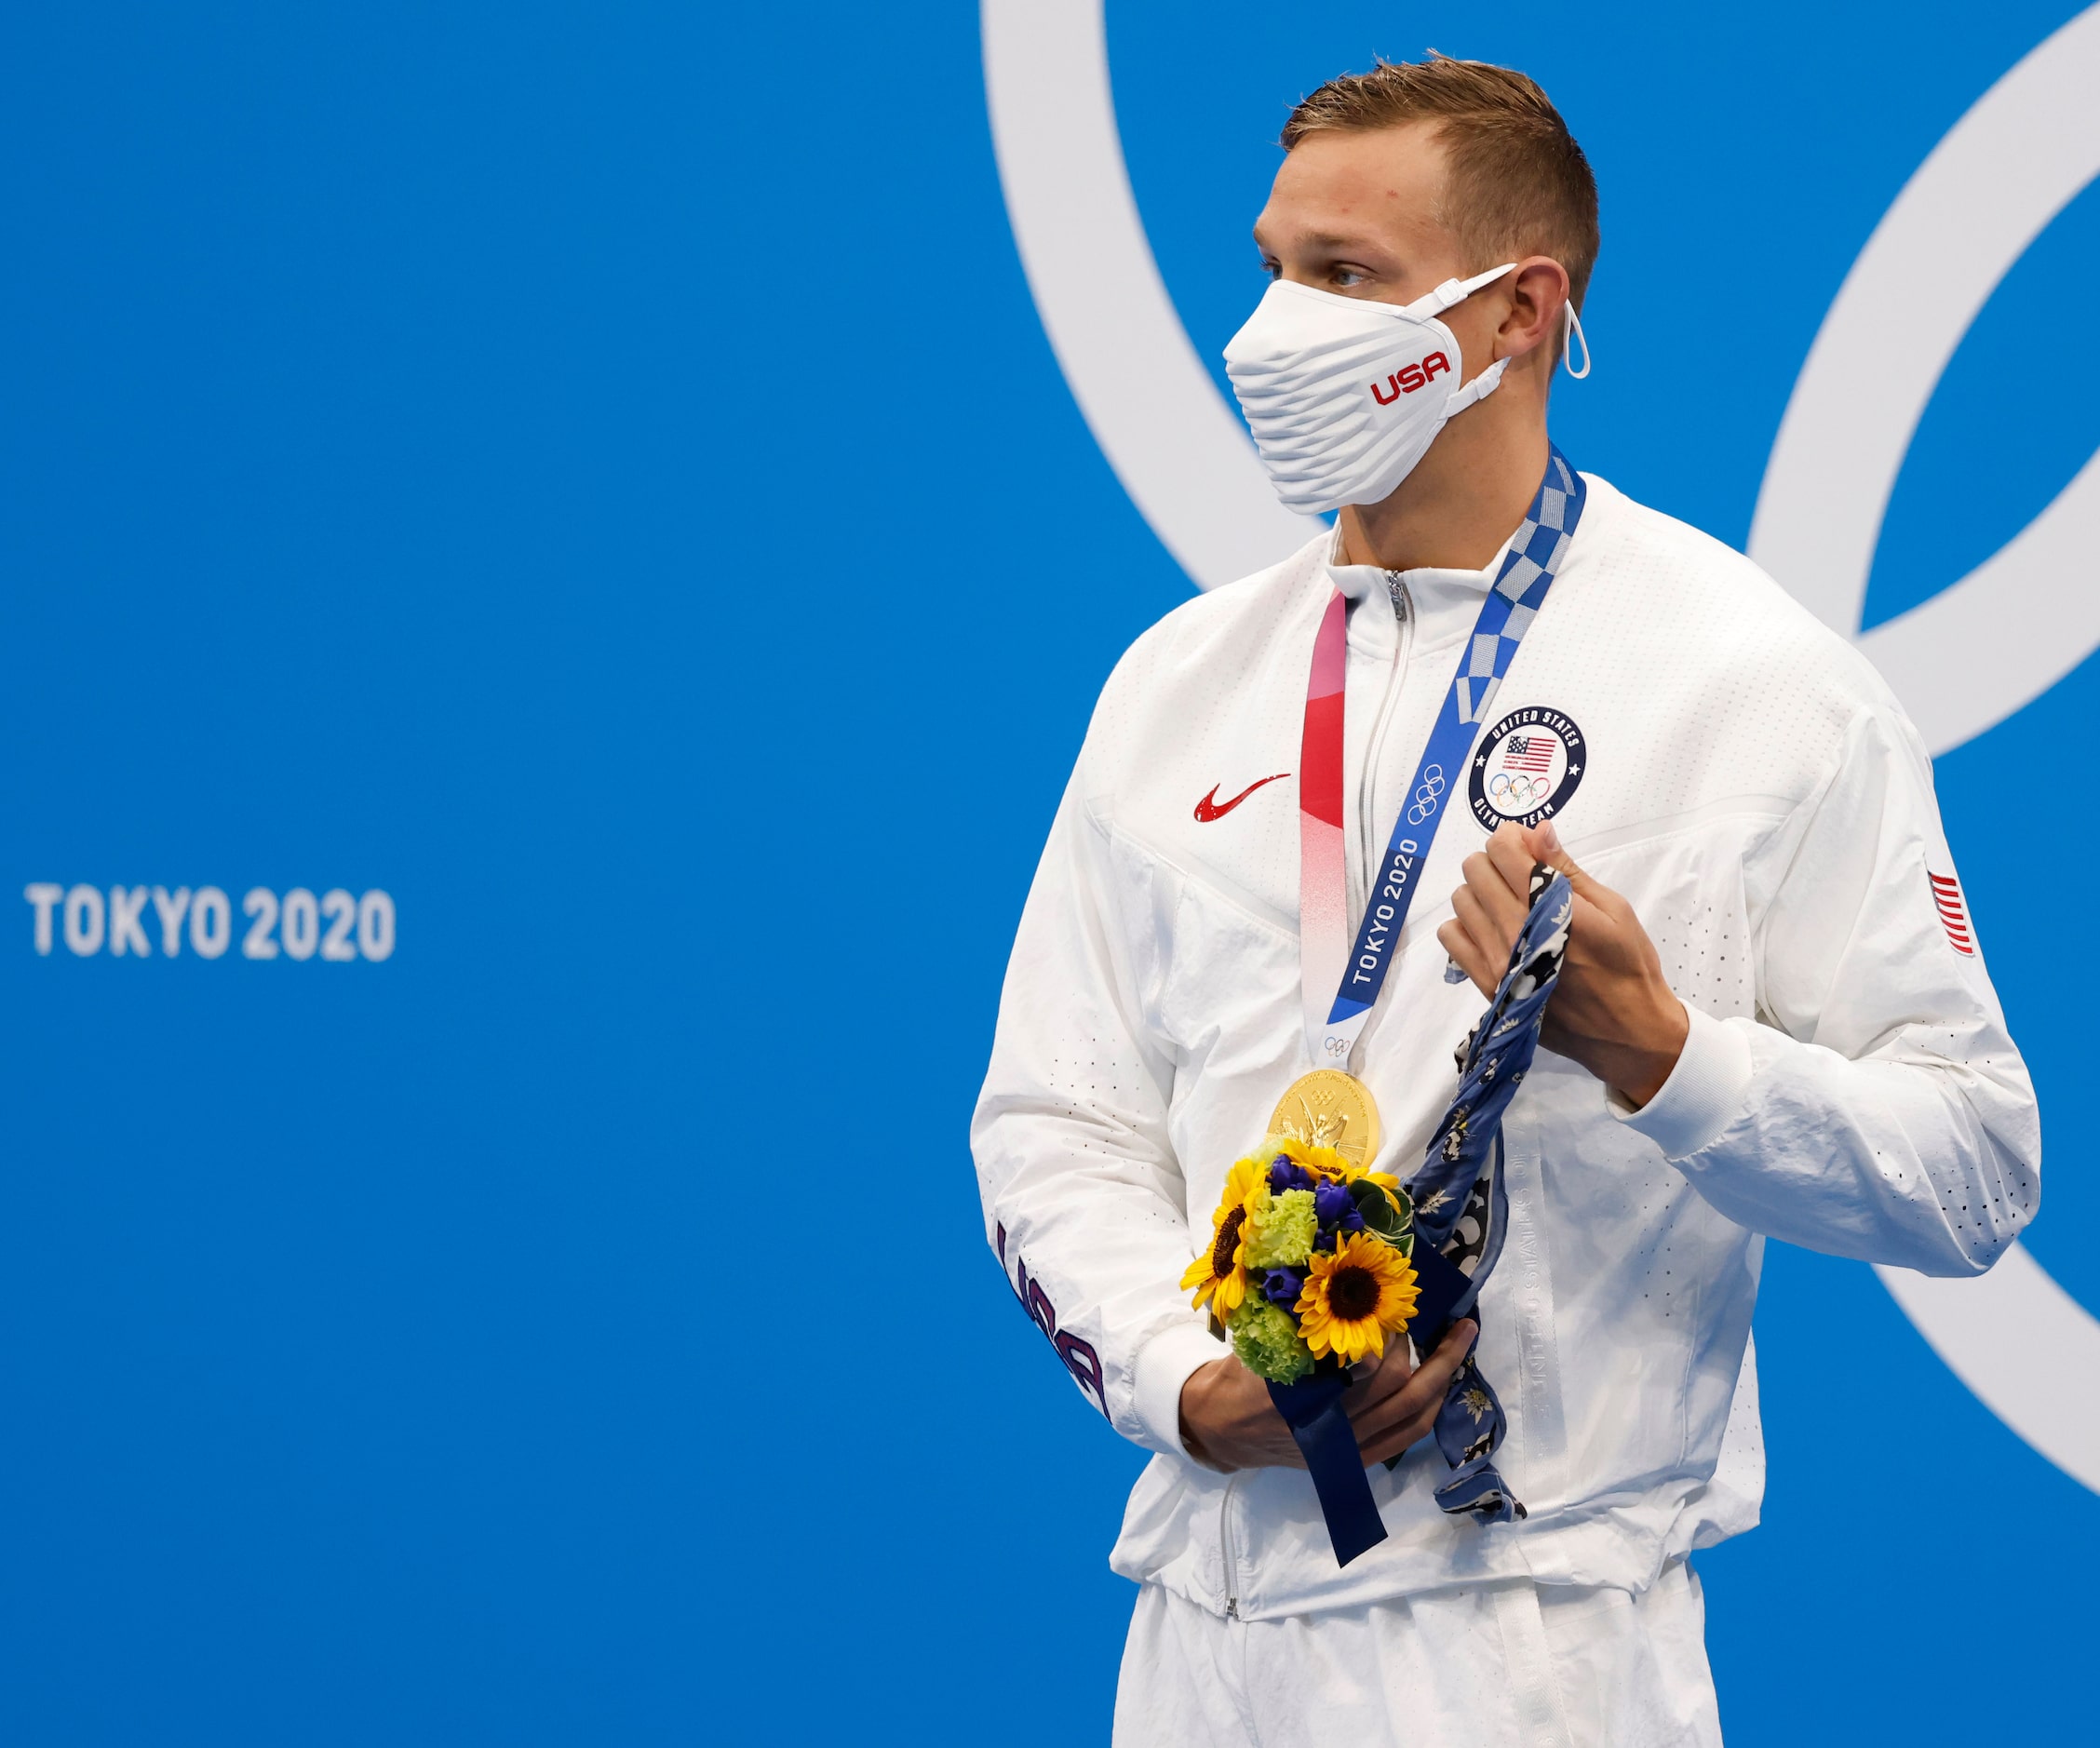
(1574, 332)
(1453, 291)
(1483, 386)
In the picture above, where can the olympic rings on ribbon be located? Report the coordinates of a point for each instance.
(1427, 796)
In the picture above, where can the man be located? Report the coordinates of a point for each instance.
(1772, 1017)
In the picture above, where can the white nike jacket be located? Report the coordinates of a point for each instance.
(1750, 785)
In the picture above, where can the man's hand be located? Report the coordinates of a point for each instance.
(1229, 1422)
(1612, 1011)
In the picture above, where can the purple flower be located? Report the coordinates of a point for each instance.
(1281, 1286)
(1287, 1174)
(1337, 1208)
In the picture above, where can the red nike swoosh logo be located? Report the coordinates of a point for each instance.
(1209, 809)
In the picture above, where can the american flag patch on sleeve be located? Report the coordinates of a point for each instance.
(1954, 912)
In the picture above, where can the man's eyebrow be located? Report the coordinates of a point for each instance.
(1335, 242)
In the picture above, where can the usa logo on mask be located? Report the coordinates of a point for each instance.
(1408, 378)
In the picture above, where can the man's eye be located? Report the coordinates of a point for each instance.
(1348, 276)
(1274, 269)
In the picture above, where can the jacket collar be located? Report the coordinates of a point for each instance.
(1444, 604)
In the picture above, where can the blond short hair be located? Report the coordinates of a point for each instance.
(1517, 183)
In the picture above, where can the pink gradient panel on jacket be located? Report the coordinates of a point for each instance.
(1323, 890)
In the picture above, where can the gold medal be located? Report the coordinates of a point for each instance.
(1327, 1107)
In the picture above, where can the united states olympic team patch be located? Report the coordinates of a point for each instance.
(1526, 767)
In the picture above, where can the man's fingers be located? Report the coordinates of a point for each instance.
(1510, 850)
(1382, 1382)
(1466, 955)
(1420, 1394)
(1432, 1378)
(1542, 843)
(1490, 886)
(1397, 1440)
(1491, 941)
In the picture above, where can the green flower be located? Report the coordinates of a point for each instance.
(1280, 1229)
(1267, 1343)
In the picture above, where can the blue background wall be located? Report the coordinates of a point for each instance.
(598, 474)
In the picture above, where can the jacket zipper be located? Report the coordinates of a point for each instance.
(1368, 848)
(1226, 1548)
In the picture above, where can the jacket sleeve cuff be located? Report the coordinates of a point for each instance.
(1164, 1365)
(1704, 1094)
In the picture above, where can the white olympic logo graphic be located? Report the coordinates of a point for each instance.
(1961, 662)
(1426, 797)
(1517, 789)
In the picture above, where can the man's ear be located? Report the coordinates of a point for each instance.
(1537, 294)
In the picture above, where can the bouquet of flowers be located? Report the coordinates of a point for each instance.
(1316, 1263)
(1309, 1263)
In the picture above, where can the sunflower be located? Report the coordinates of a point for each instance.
(1219, 1275)
(1354, 1297)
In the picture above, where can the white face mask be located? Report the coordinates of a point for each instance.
(1344, 396)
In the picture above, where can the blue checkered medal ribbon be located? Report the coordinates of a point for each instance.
(1529, 567)
(1462, 1203)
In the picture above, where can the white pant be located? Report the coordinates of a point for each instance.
(1500, 1666)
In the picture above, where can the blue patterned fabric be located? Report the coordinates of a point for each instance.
(1462, 1207)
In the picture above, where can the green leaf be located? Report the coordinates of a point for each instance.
(1387, 1218)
